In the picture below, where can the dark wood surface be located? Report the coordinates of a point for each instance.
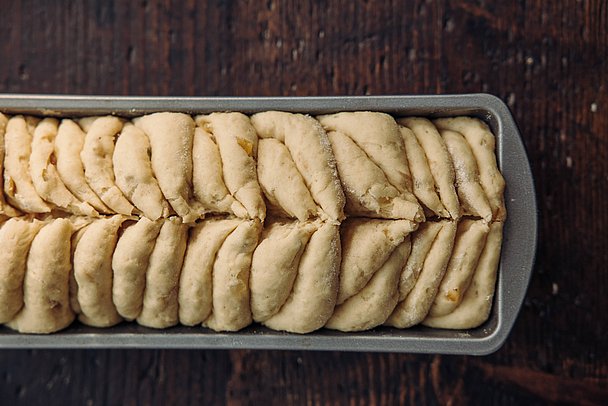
(546, 59)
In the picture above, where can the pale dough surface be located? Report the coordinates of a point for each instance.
(93, 272)
(231, 310)
(196, 281)
(16, 236)
(281, 182)
(366, 246)
(275, 265)
(311, 153)
(477, 302)
(129, 264)
(372, 305)
(18, 186)
(96, 156)
(45, 178)
(133, 172)
(483, 144)
(238, 145)
(368, 191)
(469, 242)
(5, 208)
(160, 305)
(208, 179)
(414, 308)
(46, 302)
(67, 147)
(171, 139)
(313, 297)
(440, 162)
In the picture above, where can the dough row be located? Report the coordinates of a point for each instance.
(355, 164)
(225, 273)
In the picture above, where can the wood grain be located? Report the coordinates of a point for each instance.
(546, 59)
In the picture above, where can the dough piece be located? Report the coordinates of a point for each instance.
(439, 160)
(133, 171)
(129, 264)
(470, 240)
(195, 294)
(45, 178)
(482, 143)
(96, 156)
(368, 192)
(424, 187)
(171, 137)
(93, 272)
(5, 208)
(422, 241)
(416, 305)
(366, 246)
(477, 301)
(231, 310)
(371, 306)
(313, 297)
(160, 306)
(18, 185)
(68, 145)
(377, 134)
(472, 197)
(238, 145)
(275, 265)
(76, 236)
(311, 153)
(46, 302)
(282, 183)
(16, 236)
(209, 187)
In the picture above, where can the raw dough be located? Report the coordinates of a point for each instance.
(5, 208)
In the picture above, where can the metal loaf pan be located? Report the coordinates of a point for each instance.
(518, 252)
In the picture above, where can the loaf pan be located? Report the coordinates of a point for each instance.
(518, 251)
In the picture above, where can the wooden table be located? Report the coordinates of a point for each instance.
(547, 60)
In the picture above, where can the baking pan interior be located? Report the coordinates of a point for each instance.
(517, 258)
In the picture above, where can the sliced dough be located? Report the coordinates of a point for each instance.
(93, 272)
(171, 137)
(76, 236)
(275, 265)
(231, 310)
(472, 197)
(483, 144)
(377, 134)
(209, 187)
(366, 246)
(368, 192)
(68, 145)
(133, 171)
(195, 294)
(313, 297)
(414, 308)
(160, 306)
(96, 156)
(46, 302)
(129, 264)
(372, 305)
(422, 241)
(439, 160)
(282, 183)
(424, 187)
(311, 153)
(16, 236)
(238, 145)
(45, 178)
(470, 240)
(477, 301)
(5, 208)
(18, 186)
